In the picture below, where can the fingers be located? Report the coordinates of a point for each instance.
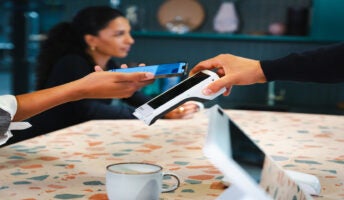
(97, 68)
(185, 111)
(199, 67)
(135, 77)
(189, 107)
(112, 84)
(227, 92)
(123, 66)
(126, 66)
(216, 86)
(207, 64)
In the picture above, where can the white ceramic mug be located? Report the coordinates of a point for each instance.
(136, 181)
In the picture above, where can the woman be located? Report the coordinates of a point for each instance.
(94, 37)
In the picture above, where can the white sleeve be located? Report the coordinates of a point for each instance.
(9, 104)
(8, 108)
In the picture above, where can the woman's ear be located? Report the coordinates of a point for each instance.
(90, 40)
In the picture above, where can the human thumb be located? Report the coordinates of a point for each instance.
(214, 87)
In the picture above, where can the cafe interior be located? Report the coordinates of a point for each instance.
(299, 126)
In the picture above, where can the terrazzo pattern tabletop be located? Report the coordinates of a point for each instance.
(308, 143)
(70, 163)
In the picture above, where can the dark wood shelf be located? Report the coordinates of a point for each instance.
(224, 36)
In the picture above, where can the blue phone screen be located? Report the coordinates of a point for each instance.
(158, 70)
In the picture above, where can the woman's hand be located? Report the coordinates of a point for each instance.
(102, 84)
(185, 111)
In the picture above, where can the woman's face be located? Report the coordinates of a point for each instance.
(115, 39)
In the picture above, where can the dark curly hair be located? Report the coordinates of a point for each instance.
(68, 38)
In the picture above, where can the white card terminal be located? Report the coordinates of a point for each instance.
(188, 89)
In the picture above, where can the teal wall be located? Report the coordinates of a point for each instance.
(328, 19)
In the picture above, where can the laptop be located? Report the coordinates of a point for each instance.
(224, 151)
(238, 157)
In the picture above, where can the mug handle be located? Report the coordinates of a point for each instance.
(173, 187)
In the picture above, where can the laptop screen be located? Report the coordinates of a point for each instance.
(245, 152)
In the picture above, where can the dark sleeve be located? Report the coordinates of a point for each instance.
(67, 69)
(323, 65)
(137, 99)
(103, 109)
(90, 109)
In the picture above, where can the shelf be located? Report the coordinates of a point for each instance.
(223, 36)
(6, 46)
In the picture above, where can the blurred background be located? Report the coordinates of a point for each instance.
(192, 30)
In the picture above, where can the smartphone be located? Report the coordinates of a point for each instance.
(160, 71)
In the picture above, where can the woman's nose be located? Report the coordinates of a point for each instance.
(130, 39)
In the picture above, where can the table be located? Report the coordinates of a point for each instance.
(70, 163)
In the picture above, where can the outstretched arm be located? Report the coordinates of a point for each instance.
(323, 65)
(233, 70)
(94, 85)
